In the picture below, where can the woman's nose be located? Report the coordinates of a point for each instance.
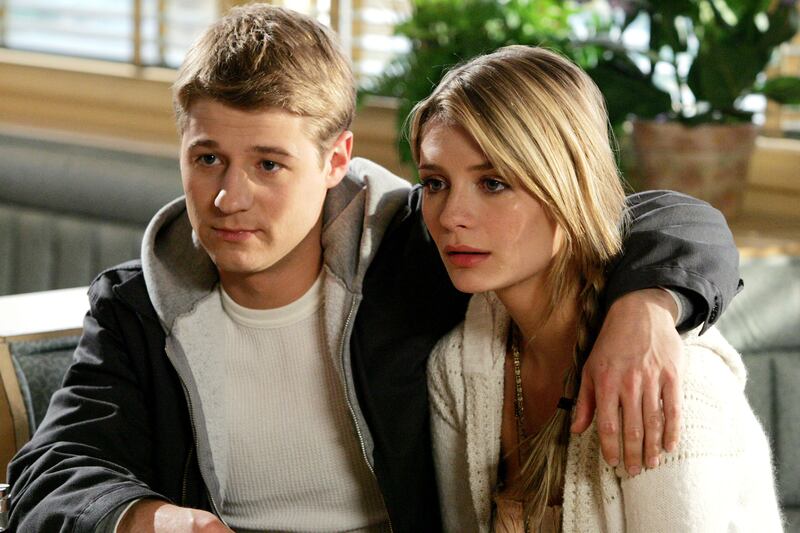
(456, 210)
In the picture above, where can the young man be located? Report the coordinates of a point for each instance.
(263, 366)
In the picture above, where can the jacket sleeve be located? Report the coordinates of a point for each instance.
(91, 453)
(681, 243)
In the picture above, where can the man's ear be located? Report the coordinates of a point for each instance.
(338, 158)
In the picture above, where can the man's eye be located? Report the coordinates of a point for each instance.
(494, 185)
(207, 159)
(270, 166)
(433, 185)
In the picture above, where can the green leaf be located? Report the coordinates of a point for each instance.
(663, 23)
(784, 21)
(444, 33)
(783, 89)
(746, 8)
(725, 69)
(628, 91)
(663, 32)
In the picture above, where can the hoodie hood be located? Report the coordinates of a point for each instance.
(179, 273)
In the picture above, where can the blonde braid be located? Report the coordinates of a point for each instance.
(545, 454)
(589, 316)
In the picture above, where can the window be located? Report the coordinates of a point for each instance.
(374, 42)
(158, 32)
(142, 32)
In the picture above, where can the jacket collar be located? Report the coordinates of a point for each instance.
(178, 272)
(130, 288)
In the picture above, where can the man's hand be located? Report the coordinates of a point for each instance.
(156, 516)
(637, 363)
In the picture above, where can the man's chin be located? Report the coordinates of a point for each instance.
(239, 266)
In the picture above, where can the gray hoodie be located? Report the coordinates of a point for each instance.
(181, 280)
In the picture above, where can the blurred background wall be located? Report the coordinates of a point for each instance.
(98, 72)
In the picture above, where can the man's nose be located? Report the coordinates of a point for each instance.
(235, 191)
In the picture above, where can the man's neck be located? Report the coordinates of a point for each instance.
(276, 287)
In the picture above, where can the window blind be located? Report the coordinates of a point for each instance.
(158, 32)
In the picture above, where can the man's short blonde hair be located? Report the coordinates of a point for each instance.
(260, 56)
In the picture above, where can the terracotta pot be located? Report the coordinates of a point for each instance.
(709, 162)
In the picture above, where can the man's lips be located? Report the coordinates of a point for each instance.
(465, 256)
(234, 234)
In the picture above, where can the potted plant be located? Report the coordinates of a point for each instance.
(691, 132)
(685, 86)
(444, 33)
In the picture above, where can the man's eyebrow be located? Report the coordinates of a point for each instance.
(266, 150)
(259, 149)
(204, 143)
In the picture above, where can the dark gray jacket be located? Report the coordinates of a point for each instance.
(123, 426)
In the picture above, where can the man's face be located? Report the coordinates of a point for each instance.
(255, 185)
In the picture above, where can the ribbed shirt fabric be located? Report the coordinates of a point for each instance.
(295, 463)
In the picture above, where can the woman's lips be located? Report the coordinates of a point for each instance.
(465, 256)
(234, 235)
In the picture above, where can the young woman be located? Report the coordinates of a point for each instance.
(524, 202)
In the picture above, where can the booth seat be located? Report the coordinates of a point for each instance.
(763, 323)
(68, 210)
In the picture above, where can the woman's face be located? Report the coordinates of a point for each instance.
(490, 235)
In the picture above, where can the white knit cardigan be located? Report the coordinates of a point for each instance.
(718, 479)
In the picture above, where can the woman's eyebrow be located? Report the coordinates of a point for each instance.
(486, 165)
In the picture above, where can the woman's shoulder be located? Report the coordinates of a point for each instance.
(722, 460)
(716, 416)
(711, 352)
(715, 374)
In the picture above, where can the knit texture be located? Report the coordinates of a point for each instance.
(719, 478)
(315, 477)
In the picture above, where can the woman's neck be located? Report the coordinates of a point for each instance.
(546, 345)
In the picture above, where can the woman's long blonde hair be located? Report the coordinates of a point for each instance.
(542, 124)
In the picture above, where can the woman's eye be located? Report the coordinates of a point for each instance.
(270, 166)
(494, 185)
(433, 185)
